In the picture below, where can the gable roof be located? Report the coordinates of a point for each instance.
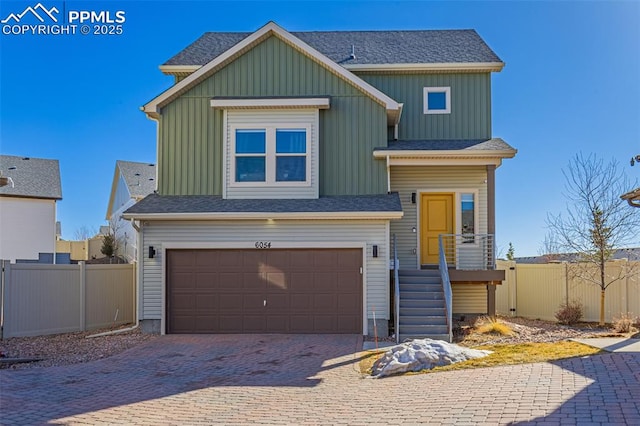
(370, 48)
(152, 108)
(208, 207)
(140, 179)
(32, 177)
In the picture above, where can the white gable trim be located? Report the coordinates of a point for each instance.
(445, 66)
(153, 107)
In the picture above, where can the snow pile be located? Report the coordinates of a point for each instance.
(422, 354)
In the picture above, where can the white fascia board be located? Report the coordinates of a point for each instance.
(179, 69)
(153, 107)
(249, 103)
(444, 154)
(260, 215)
(450, 66)
(445, 161)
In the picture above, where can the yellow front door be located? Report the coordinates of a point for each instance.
(436, 217)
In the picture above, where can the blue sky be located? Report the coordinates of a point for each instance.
(571, 83)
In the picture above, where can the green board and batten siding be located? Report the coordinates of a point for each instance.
(191, 133)
(470, 116)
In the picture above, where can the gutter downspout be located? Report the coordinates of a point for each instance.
(137, 298)
(388, 176)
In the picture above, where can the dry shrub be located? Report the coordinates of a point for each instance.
(624, 323)
(570, 312)
(488, 325)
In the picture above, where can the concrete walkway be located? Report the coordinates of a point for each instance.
(613, 344)
(281, 379)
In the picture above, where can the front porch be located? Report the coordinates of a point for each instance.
(424, 297)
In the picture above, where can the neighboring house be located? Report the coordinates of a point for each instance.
(132, 181)
(632, 197)
(28, 228)
(289, 162)
(632, 254)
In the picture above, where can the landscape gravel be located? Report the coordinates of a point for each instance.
(68, 348)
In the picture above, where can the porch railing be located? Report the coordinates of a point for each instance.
(396, 285)
(446, 284)
(468, 251)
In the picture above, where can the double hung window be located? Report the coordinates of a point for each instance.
(271, 155)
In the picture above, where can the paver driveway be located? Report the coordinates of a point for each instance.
(309, 380)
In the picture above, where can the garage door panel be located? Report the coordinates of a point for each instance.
(252, 282)
(206, 281)
(204, 323)
(277, 302)
(301, 281)
(206, 303)
(230, 324)
(276, 323)
(224, 291)
(301, 302)
(229, 280)
(276, 282)
(327, 302)
(231, 302)
(325, 259)
(324, 323)
(301, 323)
(253, 323)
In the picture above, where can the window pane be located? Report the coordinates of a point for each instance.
(437, 100)
(250, 169)
(291, 169)
(250, 141)
(468, 213)
(291, 141)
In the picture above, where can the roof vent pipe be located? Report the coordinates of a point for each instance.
(353, 51)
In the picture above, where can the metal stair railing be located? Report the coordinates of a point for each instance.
(396, 281)
(446, 285)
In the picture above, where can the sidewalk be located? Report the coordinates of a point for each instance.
(612, 344)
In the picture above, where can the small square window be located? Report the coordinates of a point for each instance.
(437, 100)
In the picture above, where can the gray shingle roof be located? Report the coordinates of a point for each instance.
(155, 203)
(371, 47)
(495, 144)
(140, 177)
(32, 177)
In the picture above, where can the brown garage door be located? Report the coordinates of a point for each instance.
(264, 291)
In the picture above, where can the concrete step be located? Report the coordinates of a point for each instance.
(445, 337)
(421, 303)
(406, 320)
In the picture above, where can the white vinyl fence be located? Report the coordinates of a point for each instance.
(39, 299)
(537, 291)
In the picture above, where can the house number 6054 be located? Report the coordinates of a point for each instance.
(263, 244)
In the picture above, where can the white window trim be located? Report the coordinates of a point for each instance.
(270, 156)
(447, 92)
(476, 214)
